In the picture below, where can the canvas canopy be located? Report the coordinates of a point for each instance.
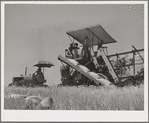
(96, 34)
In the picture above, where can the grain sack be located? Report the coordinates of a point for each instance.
(83, 68)
(39, 107)
(74, 62)
(33, 98)
(17, 96)
(104, 82)
(32, 102)
(45, 103)
(94, 75)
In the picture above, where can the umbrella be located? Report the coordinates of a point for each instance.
(43, 64)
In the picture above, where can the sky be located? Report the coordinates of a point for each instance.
(35, 32)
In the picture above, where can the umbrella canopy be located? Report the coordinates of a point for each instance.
(44, 64)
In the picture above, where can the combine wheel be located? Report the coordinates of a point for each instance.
(11, 84)
(59, 85)
(64, 81)
(46, 86)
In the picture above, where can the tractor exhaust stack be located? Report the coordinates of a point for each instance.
(25, 70)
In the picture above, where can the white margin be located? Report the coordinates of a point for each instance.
(146, 57)
(74, 2)
(21, 115)
(2, 58)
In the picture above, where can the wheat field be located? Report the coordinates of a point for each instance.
(82, 97)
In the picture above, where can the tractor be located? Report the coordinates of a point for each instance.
(37, 79)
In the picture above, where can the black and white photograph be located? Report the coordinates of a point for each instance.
(74, 61)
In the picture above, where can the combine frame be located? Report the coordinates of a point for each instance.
(133, 52)
(110, 67)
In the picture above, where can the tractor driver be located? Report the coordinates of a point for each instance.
(39, 76)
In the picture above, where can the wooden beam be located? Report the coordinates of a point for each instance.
(124, 53)
(133, 63)
(123, 77)
(109, 65)
(138, 53)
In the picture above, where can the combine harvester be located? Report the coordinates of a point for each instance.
(90, 64)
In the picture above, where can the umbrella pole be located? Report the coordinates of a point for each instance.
(43, 70)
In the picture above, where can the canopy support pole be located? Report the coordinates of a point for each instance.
(43, 70)
(70, 39)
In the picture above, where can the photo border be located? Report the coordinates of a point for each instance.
(86, 116)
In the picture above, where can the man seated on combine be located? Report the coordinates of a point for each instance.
(73, 48)
(85, 53)
(75, 51)
(68, 54)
